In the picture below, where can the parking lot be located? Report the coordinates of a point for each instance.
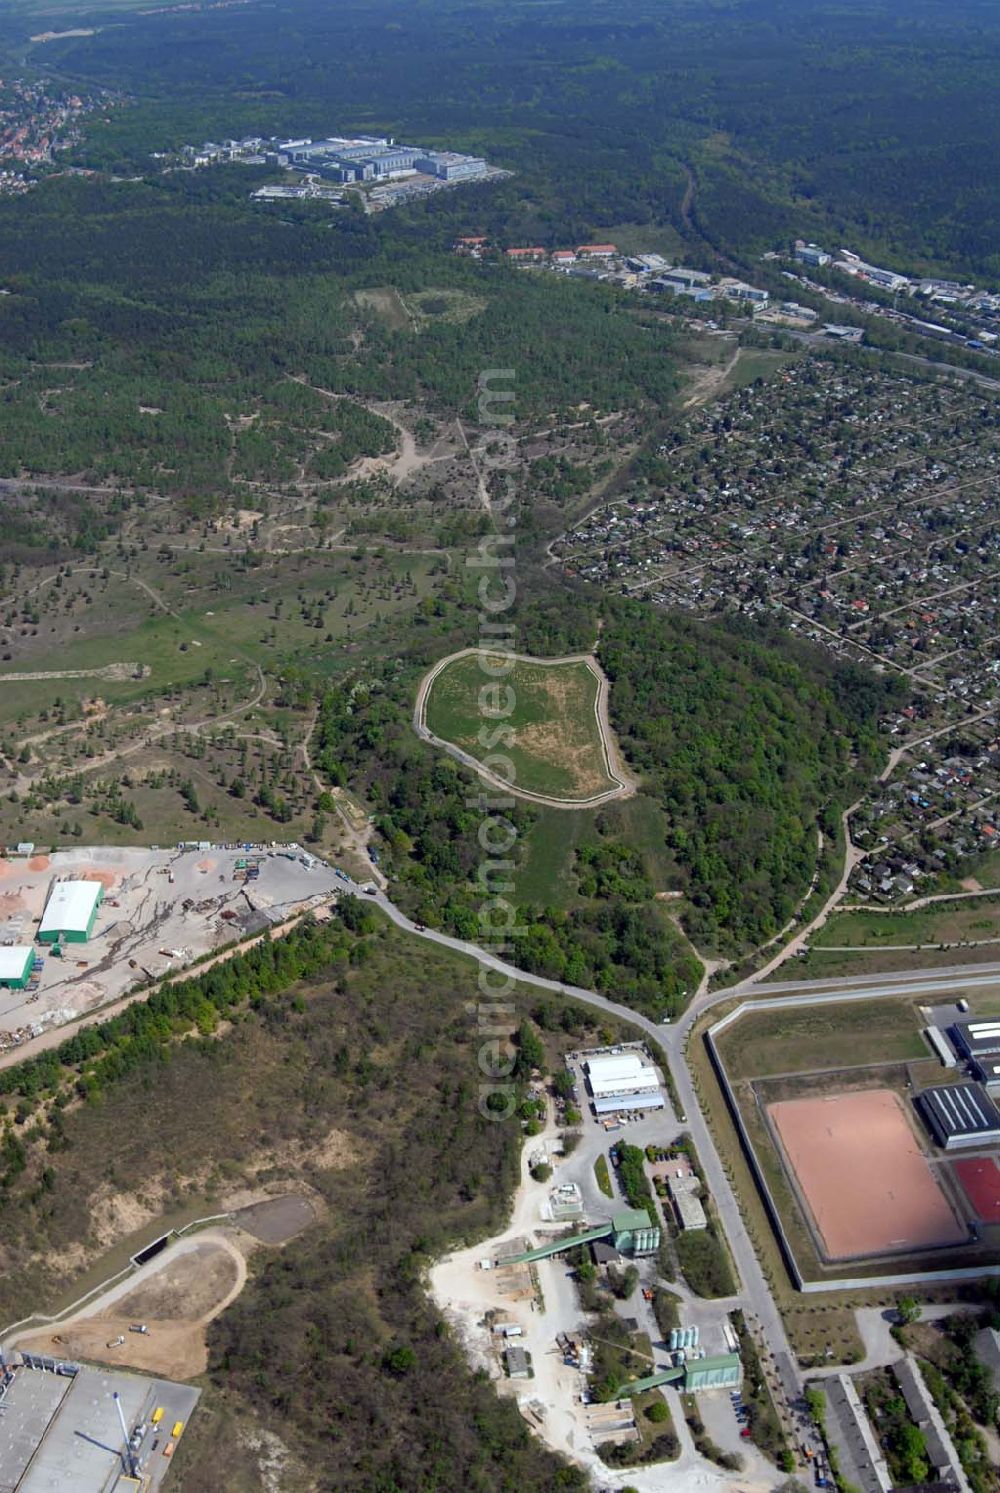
(162, 909)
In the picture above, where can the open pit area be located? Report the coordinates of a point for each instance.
(162, 909)
(174, 1297)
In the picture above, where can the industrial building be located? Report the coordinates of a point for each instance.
(647, 264)
(448, 165)
(977, 1039)
(16, 963)
(720, 1371)
(630, 1231)
(566, 1203)
(618, 1074)
(680, 278)
(70, 912)
(376, 159)
(739, 290)
(685, 1194)
(959, 1115)
(812, 254)
(612, 1104)
(978, 1042)
(70, 1428)
(633, 1234)
(987, 1070)
(937, 1039)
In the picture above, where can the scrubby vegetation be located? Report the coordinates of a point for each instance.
(748, 748)
(765, 1427)
(319, 1026)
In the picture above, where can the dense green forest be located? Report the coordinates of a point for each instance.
(151, 322)
(748, 743)
(750, 747)
(860, 120)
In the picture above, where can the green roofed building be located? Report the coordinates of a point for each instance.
(70, 912)
(16, 963)
(723, 1371)
(720, 1372)
(633, 1233)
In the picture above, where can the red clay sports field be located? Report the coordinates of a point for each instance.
(980, 1179)
(866, 1182)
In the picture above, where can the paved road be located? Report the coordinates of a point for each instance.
(673, 1039)
(755, 1287)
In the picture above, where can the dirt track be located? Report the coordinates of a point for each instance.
(175, 1296)
(624, 785)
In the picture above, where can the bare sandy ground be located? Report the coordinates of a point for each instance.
(175, 1296)
(464, 1292)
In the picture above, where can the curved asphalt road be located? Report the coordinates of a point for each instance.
(673, 1040)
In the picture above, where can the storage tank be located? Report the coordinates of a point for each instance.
(674, 1339)
(694, 1339)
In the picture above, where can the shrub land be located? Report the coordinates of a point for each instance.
(334, 1343)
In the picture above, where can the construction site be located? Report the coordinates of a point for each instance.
(79, 929)
(90, 1400)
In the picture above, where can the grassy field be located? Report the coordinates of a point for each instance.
(206, 615)
(192, 649)
(973, 918)
(823, 964)
(556, 744)
(818, 1037)
(545, 876)
(387, 304)
(443, 304)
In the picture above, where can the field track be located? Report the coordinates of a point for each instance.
(623, 787)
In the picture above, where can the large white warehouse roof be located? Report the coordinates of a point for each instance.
(620, 1073)
(70, 907)
(610, 1104)
(614, 1065)
(13, 960)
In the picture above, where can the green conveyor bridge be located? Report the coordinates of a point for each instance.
(559, 1246)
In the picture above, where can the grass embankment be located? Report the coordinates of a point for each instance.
(813, 1038)
(603, 1176)
(963, 931)
(942, 922)
(555, 744)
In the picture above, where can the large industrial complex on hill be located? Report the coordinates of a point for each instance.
(392, 170)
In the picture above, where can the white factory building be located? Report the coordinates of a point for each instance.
(622, 1080)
